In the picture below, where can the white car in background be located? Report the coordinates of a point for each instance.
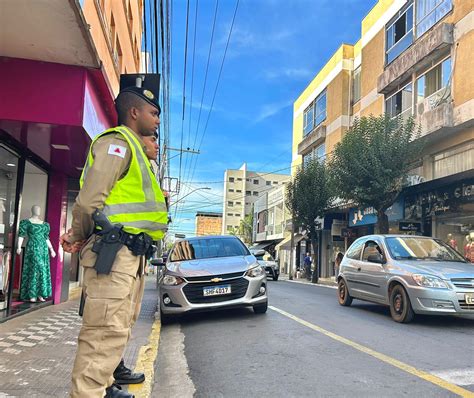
(268, 262)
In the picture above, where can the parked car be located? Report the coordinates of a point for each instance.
(268, 263)
(411, 274)
(208, 273)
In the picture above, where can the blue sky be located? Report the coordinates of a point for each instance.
(275, 50)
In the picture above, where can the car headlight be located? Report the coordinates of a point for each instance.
(255, 272)
(429, 281)
(171, 280)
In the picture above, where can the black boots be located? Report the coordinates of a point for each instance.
(124, 375)
(115, 391)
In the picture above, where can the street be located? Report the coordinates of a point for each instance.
(308, 345)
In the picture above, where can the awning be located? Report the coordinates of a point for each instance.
(286, 243)
(263, 245)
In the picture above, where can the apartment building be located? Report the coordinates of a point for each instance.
(208, 223)
(242, 188)
(116, 28)
(413, 58)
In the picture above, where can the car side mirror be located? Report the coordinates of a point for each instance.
(375, 258)
(157, 262)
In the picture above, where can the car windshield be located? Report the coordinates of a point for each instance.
(417, 248)
(195, 249)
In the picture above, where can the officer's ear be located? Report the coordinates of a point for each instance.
(134, 112)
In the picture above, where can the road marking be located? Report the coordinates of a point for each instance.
(461, 377)
(438, 381)
(146, 363)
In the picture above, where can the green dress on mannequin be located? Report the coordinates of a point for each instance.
(36, 275)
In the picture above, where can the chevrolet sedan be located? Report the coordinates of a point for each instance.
(410, 274)
(209, 273)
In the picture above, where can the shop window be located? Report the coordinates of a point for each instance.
(429, 12)
(399, 34)
(356, 85)
(400, 103)
(434, 82)
(454, 161)
(8, 177)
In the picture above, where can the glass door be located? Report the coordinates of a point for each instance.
(8, 184)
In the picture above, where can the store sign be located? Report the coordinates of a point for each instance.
(406, 226)
(368, 216)
(348, 233)
(439, 201)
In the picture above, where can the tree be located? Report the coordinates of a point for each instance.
(371, 162)
(309, 197)
(245, 230)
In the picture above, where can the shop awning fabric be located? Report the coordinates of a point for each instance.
(263, 245)
(286, 243)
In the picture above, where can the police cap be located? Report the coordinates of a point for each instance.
(144, 94)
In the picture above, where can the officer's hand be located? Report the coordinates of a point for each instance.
(67, 245)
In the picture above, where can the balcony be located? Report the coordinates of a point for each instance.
(434, 117)
(416, 57)
(314, 138)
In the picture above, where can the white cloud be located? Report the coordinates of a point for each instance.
(292, 73)
(271, 109)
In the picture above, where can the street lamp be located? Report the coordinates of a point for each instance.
(194, 190)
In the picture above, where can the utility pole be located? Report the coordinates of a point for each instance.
(292, 244)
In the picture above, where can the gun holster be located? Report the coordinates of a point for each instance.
(106, 249)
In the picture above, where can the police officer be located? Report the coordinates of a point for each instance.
(118, 179)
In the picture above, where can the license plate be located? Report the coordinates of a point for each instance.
(216, 290)
(469, 297)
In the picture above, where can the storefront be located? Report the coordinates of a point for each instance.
(444, 208)
(46, 126)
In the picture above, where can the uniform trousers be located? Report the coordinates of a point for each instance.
(111, 308)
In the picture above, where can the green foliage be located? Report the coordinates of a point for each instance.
(309, 195)
(245, 229)
(370, 164)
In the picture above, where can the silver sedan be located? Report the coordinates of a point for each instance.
(208, 273)
(411, 274)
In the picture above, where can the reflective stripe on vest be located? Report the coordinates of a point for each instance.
(146, 211)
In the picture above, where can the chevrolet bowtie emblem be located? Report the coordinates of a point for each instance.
(215, 280)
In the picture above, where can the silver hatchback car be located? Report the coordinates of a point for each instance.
(411, 274)
(208, 273)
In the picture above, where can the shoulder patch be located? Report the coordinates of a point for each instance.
(117, 150)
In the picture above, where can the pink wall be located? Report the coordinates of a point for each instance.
(57, 202)
(41, 92)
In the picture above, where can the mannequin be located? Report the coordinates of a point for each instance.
(36, 277)
(469, 249)
(452, 242)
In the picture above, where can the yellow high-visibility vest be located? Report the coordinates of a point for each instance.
(136, 200)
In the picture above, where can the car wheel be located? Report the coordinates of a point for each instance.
(260, 308)
(275, 275)
(400, 305)
(343, 295)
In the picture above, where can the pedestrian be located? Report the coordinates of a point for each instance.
(337, 263)
(307, 266)
(118, 180)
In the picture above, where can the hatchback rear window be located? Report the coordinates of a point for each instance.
(195, 249)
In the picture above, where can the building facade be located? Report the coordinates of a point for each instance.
(60, 78)
(413, 58)
(241, 190)
(208, 223)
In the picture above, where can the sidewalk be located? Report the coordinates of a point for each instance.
(37, 350)
(321, 281)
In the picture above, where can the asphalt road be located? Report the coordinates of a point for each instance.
(306, 345)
